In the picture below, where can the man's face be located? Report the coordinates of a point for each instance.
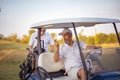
(67, 37)
(42, 31)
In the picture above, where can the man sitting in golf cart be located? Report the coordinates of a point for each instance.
(69, 54)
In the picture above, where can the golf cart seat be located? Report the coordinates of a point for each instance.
(46, 61)
(54, 69)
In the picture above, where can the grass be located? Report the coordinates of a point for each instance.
(110, 45)
(12, 51)
(12, 54)
(9, 71)
(110, 59)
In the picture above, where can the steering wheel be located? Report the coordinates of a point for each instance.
(43, 74)
(94, 54)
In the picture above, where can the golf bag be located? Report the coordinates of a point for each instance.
(28, 66)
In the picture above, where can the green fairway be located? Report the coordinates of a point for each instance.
(9, 71)
(12, 54)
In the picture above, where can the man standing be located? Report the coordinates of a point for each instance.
(46, 40)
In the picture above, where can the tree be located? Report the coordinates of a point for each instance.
(25, 39)
(112, 38)
(1, 36)
(91, 40)
(119, 34)
(82, 37)
(100, 38)
(12, 37)
(31, 32)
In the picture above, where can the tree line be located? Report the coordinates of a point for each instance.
(98, 39)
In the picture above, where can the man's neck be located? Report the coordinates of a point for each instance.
(70, 43)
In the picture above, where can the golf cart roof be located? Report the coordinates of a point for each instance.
(68, 22)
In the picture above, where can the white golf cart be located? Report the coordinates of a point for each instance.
(47, 68)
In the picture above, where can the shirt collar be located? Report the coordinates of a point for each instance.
(73, 44)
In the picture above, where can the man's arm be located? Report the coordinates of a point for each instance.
(31, 49)
(51, 43)
(56, 51)
(31, 43)
(92, 47)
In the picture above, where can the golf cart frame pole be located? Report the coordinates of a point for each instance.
(81, 53)
(116, 33)
(39, 41)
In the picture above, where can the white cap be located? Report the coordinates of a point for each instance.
(66, 31)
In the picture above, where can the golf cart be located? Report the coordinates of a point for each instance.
(47, 69)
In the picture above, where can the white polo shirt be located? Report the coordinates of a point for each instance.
(46, 38)
(70, 55)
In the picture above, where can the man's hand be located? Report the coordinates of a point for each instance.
(56, 43)
(30, 49)
(93, 47)
(56, 51)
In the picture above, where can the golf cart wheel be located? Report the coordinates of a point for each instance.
(43, 74)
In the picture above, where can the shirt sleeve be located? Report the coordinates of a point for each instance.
(50, 40)
(31, 41)
(61, 52)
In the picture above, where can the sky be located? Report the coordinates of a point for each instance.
(17, 16)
